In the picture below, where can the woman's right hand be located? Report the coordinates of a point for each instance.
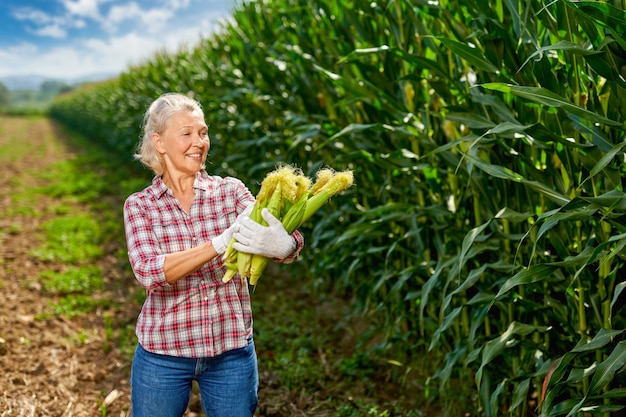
(220, 242)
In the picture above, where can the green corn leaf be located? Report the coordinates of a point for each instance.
(448, 321)
(602, 409)
(617, 393)
(472, 278)
(471, 120)
(534, 273)
(445, 371)
(562, 367)
(618, 291)
(470, 54)
(566, 46)
(612, 199)
(618, 249)
(606, 159)
(560, 408)
(506, 128)
(364, 51)
(520, 393)
(431, 284)
(606, 369)
(494, 347)
(493, 398)
(578, 407)
(513, 216)
(420, 62)
(508, 174)
(604, 14)
(548, 98)
(601, 339)
(603, 375)
(468, 241)
(596, 136)
(559, 216)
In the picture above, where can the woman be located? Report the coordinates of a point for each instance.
(193, 326)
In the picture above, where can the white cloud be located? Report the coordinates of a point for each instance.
(52, 31)
(154, 29)
(157, 17)
(84, 8)
(117, 53)
(45, 25)
(150, 20)
(92, 56)
(176, 4)
(32, 15)
(18, 50)
(123, 12)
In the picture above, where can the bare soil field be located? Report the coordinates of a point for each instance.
(50, 365)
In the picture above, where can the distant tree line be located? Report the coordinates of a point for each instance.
(5, 97)
(31, 100)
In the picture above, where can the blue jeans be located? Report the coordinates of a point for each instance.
(161, 385)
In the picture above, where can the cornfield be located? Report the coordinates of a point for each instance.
(487, 227)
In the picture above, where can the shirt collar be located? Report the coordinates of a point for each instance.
(160, 189)
(202, 181)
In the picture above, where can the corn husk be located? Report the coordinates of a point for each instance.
(292, 198)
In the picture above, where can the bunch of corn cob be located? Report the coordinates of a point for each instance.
(292, 198)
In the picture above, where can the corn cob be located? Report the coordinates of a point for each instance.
(330, 187)
(231, 271)
(246, 262)
(327, 185)
(258, 262)
(293, 218)
(291, 185)
(321, 179)
(234, 261)
(290, 197)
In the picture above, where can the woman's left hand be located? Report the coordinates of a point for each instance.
(271, 241)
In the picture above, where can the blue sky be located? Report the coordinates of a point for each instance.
(70, 39)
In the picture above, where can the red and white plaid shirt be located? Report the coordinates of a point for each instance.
(199, 315)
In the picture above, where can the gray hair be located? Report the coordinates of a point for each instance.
(155, 120)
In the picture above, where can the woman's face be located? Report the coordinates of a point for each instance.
(184, 144)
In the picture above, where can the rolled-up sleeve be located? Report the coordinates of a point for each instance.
(299, 238)
(144, 254)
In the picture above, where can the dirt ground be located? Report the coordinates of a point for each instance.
(49, 366)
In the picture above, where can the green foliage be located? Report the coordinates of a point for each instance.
(71, 239)
(83, 279)
(315, 356)
(76, 288)
(77, 304)
(75, 180)
(487, 141)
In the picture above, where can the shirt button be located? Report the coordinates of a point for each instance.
(206, 298)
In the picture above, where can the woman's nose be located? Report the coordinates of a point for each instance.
(197, 140)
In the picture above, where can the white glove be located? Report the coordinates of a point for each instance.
(220, 242)
(271, 241)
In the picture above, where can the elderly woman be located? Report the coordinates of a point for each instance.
(192, 326)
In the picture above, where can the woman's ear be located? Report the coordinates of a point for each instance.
(158, 145)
